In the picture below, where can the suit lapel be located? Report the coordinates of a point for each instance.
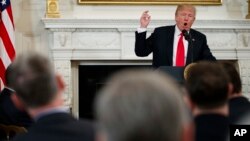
(190, 57)
(170, 44)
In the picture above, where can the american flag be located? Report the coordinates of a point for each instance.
(7, 49)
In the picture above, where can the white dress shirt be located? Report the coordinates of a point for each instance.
(177, 35)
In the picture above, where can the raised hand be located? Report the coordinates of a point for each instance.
(145, 19)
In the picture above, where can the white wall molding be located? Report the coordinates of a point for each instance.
(132, 23)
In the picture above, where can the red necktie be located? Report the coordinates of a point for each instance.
(180, 52)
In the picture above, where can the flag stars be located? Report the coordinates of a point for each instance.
(3, 2)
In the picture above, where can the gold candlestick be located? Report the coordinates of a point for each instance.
(248, 15)
(52, 9)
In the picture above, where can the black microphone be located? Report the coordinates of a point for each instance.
(190, 41)
(185, 34)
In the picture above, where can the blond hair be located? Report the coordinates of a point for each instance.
(185, 6)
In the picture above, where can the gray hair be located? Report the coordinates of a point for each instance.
(141, 105)
(35, 80)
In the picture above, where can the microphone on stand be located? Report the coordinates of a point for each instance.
(185, 34)
(190, 41)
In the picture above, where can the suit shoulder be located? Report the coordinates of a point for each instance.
(87, 123)
(162, 28)
(198, 33)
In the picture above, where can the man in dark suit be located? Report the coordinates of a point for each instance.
(164, 41)
(208, 88)
(41, 90)
(10, 113)
(239, 105)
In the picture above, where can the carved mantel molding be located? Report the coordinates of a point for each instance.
(133, 24)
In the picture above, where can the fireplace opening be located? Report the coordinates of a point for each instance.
(91, 79)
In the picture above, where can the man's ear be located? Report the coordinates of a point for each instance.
(189, 102)
(230, 90)
(17, 102)
(60, 82)
(101, 136)
(188, 133)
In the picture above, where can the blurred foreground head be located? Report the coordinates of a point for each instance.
(141, 105)
(35, 80)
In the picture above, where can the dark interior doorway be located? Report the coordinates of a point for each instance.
(91, 79)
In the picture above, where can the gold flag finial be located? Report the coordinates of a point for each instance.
(52, 9)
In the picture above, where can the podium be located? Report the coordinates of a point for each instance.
(177, 73)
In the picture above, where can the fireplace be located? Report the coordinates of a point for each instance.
(92, 78)
(77, 43)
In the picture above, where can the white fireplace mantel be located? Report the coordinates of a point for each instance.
(73, 41)
(133, 24)
(74, 37)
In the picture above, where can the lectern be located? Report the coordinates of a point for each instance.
(176, 72)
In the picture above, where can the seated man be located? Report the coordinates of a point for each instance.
(40, 90)
(239, 105)
(10, 112)
(208, 86)
(142, 106)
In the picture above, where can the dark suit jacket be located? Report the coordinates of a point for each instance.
(161, 44)
(59, 127)
(211, 127)
(238, 108)
(9, 114)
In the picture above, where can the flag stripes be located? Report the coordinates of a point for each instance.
(7, 40)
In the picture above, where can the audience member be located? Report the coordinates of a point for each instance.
(208, 86)
(238, 104)
(11, 114)
(40, 90)
(142, 105)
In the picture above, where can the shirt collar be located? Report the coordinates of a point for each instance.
(177, 31)
(12, 90)
(51, 111)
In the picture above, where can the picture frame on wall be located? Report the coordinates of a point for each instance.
(149, 2)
